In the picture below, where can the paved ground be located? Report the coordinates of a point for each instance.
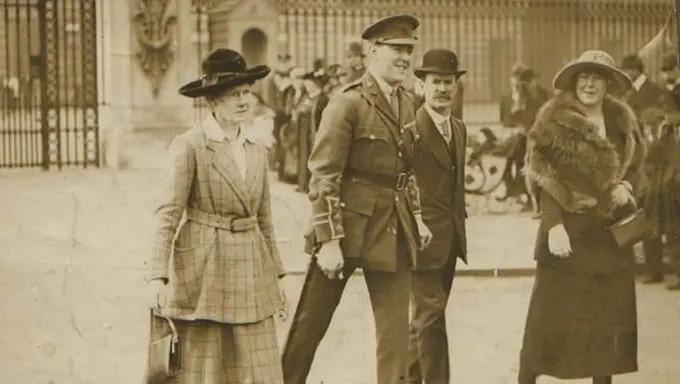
(71, 309)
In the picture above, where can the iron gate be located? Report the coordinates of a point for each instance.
(48, 84)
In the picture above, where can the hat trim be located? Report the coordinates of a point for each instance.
(197, 88)
(425, 70)
(563, 78)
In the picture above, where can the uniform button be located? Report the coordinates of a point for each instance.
(401, 131)
(396, 199)
(372, 137)
(398, 154)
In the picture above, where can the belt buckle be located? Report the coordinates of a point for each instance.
(231, 224)
(401, 181)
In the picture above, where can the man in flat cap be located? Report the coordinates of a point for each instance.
(439, 166)
(365, 206)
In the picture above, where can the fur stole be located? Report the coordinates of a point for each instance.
(569, 159)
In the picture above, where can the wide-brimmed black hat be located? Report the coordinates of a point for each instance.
(223, 69)
(440, 61)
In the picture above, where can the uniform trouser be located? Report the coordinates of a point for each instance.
(389, 294)
(429, 347)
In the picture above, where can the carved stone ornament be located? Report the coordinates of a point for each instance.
(153, 22)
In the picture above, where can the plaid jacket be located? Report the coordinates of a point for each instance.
(214, 240)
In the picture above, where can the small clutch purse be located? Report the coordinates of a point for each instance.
(163, 358)
(631, 229)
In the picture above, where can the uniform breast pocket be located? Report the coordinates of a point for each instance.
(373, 148)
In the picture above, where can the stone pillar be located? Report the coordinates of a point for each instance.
(115, 58)
(166, 109)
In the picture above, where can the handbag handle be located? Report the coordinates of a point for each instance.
(173, 329)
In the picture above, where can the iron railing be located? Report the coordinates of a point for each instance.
(48, 84)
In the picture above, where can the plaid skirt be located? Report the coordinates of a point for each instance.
(218, 353)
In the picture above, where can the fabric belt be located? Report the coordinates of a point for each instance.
(397, 182)
(232, 223)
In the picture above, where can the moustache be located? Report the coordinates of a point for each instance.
(442, 96)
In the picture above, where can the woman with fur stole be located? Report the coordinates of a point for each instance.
(585, 155)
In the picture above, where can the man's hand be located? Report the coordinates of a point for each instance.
(424, 232)
(329, 258)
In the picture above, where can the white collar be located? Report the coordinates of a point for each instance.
(437, 117)
(214, 131)
(639, 82)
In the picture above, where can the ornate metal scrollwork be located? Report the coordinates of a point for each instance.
(153, 23)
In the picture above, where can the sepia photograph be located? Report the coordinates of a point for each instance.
(340, 191)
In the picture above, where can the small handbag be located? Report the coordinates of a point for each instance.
(163, 357)
(631, 229)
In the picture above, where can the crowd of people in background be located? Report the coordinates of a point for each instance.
(297, 99)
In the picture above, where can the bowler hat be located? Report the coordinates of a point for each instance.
(395, 30)
(223, 69)
(632, 61)
(598, 61)
(440, 61)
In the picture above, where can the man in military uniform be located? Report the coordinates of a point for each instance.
(365, 206)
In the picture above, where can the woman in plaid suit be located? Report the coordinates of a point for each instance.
(221, 288)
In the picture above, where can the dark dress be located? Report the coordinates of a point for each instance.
(582, 318)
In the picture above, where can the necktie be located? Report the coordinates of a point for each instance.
(446, 131)
(394, 101)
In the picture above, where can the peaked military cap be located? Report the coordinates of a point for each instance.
(395, 30)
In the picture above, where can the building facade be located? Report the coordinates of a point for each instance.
(79, 75)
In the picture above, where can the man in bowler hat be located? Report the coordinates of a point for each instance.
(439, 168)
(365, 206)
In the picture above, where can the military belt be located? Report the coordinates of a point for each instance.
(397, 182)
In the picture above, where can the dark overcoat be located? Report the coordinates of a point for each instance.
(439, 171)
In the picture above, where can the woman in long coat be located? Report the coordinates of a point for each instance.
(223, 267)
(585, 156)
